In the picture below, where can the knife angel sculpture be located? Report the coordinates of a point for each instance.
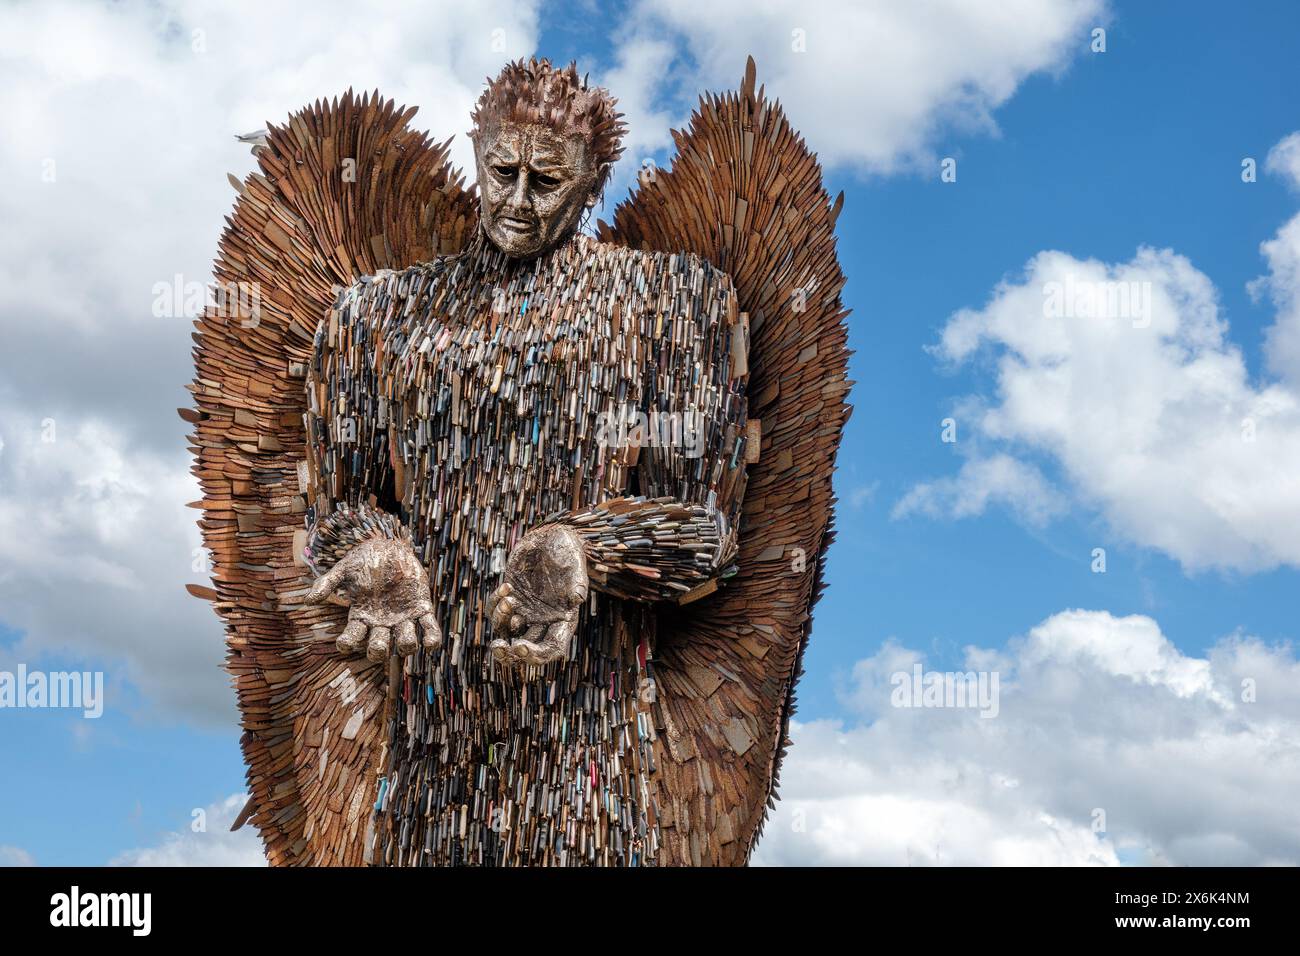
(516, 530)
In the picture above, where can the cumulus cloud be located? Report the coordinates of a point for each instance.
(1122, 377)
(910, 70)
(1284, 159)
(211, 845)
(1109, 745)
(15, 856)
(998, 478)
(116, 143)
(96, 544)
(1282, 283)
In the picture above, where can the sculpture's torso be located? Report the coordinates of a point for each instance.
(492, 381)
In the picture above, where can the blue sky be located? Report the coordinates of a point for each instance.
(1141, 145)
(1094, 156)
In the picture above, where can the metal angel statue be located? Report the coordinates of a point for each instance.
(517, 530)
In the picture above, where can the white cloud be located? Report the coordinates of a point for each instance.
(1282, 283)
(1123, 377)
(876, 83)
(863, 495)
(131, 109)
(96, 545)
(14, 856)
(214, 845)
(1284, 159)
(1102, 723)
(637, 80)
(998, 478)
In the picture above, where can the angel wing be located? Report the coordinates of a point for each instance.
(745, 193)
(345, 188)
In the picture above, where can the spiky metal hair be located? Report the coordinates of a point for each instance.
(534, 91)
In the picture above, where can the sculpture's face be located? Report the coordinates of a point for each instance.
(534, 184)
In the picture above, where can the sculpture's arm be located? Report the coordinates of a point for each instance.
(361, 555)
(653, 549)
(677, 539)
(688, 446)
(641, 549)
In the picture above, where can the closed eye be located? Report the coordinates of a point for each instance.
(544, 181)
(505, 172)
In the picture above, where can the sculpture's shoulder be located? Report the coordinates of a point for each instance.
(680, 284)
(364, 294)
(377, 307)
(665, 267)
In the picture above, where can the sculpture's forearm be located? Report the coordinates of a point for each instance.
(366, 554)
(331, 536)
(653, 549)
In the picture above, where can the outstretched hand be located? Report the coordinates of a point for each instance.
(388, 590)
(534, 612)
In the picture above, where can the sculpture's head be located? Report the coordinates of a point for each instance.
(544, 144)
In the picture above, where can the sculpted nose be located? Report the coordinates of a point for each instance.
(519, 192)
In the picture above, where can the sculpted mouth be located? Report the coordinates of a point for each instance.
(513, 224)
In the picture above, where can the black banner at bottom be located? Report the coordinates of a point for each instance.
(330, 907)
